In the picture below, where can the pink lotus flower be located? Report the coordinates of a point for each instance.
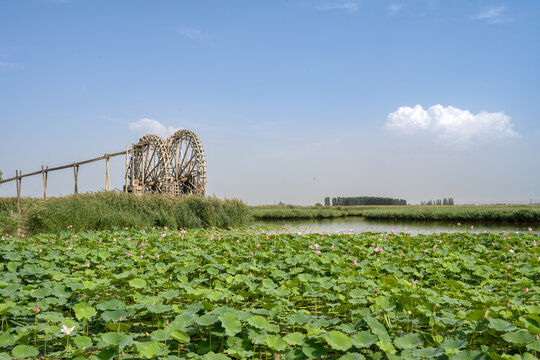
(472, 227)
(157, 256)
(40, 250)
(87, 265)
(258, 245)
(36, 309)
(508, 267)
(318, 252)
(530, 229)
(458, 224)
(128, 254)
(183, 231)
(316, 246)
(526, 290)
(163, 235)
(354, 262)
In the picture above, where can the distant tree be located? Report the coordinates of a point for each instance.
(429, 202)
(445, 201)
(450, 201)
(366, 200)
(0, 175)
(318, 204)
(327, 201)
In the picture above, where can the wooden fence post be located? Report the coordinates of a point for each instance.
(76, 174)
(132, 170)
(44, 175)
(107, 179)
(125, 187)
(18, 181)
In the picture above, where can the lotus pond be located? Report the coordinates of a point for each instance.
(157, 293)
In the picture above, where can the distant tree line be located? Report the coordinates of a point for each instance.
(363, 200)
(445, 201)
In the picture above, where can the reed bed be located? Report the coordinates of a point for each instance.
(108, 210)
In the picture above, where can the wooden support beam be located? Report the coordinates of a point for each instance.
(76, 174)
(64, 166)
(44, 175)
(18, 176)
(107, 179)
(143, 172)
(126, 185)
(132, 170)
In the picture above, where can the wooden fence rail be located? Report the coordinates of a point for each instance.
(45, 172)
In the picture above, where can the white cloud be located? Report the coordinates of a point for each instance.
(493, 15)
(349, 6)
(451, 123)
(149, 126)
(394, 8)
(192, 33)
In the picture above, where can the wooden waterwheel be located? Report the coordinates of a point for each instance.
(150, 166)
(188, 164)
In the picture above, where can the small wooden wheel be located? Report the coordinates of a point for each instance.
(188, 164)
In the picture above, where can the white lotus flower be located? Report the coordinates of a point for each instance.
(67, 331)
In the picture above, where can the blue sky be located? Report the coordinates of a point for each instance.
(293, 100)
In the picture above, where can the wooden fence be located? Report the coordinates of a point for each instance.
(45, 171)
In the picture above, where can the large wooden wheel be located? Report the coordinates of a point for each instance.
(150, 167)
(188, 164)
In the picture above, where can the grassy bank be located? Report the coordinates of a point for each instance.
(488, 213)
(304, 212)
(485, 213)
(106, 210)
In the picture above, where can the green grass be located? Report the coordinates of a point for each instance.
(8, 225)
(304, 212)
(106, 210)
(485, 213)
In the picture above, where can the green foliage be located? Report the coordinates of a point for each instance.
(8, 225)
(108, 210)
(366, 200)
(489, 213)
(303, 212)
(216, 294)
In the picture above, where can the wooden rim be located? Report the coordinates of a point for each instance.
(188, 163)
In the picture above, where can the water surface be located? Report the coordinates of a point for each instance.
(358, 224)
